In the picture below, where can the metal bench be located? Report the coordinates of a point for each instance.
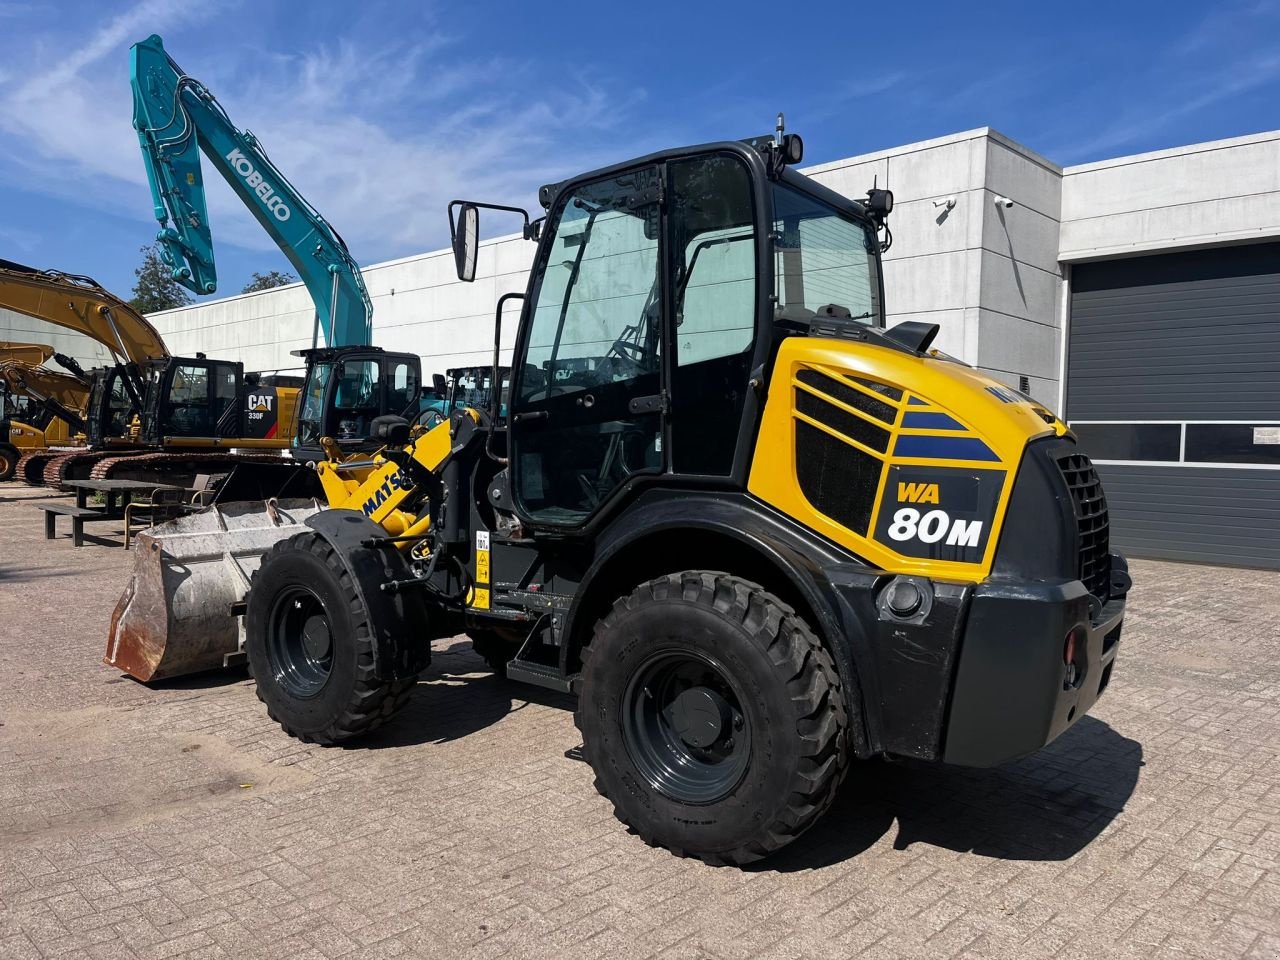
(78, 517)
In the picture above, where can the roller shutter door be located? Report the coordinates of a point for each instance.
(1173, 386)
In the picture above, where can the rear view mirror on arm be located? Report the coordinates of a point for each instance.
(465, 232)
(464, 229)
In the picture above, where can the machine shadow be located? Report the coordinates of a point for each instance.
(21, 574)
(1048, 806)
(455, 697)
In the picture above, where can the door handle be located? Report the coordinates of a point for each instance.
(534, 415)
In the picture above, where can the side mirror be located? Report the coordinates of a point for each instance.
(439, 384)
(466, 239)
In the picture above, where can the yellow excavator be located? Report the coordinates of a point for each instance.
(42, 408)
(151, 415)
(756, 532)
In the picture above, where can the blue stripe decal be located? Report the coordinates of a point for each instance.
(943, 448)
(930, 421)
(917, 402)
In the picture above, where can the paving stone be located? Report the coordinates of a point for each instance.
(178, 821)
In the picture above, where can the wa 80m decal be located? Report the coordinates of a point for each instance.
(939, 513)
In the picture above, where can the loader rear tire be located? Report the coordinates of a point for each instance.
(713, 717)
(9, 457)
(310, 648)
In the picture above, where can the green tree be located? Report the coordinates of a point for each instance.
(156, 289)
(265, 281)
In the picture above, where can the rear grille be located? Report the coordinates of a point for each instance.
(1091, 519)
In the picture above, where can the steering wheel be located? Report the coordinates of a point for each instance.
(630, 351)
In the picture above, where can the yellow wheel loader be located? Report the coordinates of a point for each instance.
(756, 533)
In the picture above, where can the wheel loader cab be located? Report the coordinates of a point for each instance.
(347, 389)
(658, 296)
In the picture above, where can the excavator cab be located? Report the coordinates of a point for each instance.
(111, 411)
(347, 389)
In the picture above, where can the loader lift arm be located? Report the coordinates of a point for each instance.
(176, 116)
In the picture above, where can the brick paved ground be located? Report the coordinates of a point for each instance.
(180, 822)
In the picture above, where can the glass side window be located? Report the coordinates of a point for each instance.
(357, 397)
(402, 388)
(224, 413)
(713, 226)
(591, 370)
(716, 278)
(119, 409)
(310, 421)
(189, 413)
(597, 314)
(822, 259)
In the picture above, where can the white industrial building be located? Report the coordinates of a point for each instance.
(1139, 297)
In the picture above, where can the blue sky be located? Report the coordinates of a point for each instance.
(382, 112)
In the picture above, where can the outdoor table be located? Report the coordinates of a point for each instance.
(119, 493)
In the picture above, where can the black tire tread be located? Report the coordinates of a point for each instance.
(812, 681)
(375, 701)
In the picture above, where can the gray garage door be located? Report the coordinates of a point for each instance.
(1173, 386)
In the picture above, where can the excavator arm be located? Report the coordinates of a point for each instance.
(176, 117)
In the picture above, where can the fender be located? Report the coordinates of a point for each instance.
(399, 622)
(793, 552)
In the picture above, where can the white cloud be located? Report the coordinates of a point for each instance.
(379, 137)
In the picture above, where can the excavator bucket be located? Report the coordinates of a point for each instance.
(178, 614)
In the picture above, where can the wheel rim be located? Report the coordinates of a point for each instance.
(6, 463)
(300, 642)
(684, 727)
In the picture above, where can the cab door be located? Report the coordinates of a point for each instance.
(587, 409)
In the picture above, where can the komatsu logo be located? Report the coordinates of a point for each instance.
(397, 481)
(253, 179)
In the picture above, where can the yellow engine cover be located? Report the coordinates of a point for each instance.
(906, 461)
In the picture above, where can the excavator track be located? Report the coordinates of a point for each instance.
(176, 468)
(31, 466)
(75, 465)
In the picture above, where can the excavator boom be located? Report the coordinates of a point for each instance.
(83, 305)
(176, 118)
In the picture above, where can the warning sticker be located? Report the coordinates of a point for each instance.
(1266, 436)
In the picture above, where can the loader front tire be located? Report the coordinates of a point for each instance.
(310, 648)
(9, 457)
(713, 717)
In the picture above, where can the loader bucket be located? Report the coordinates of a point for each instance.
(176, 615)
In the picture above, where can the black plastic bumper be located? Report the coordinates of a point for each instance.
(1014, 692)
